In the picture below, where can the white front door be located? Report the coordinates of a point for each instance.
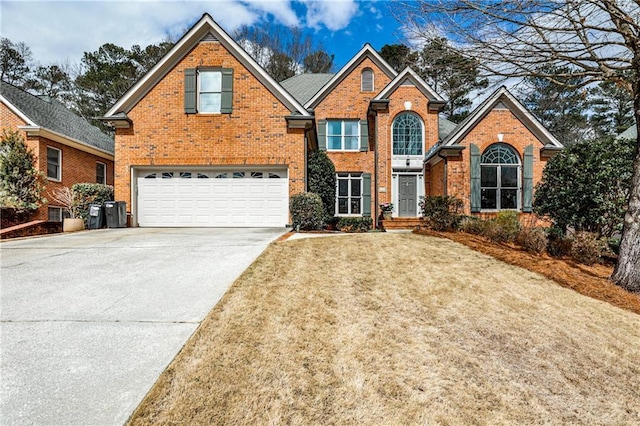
(191, 198)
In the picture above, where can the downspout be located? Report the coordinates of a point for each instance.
(445, 172)
(375, 169)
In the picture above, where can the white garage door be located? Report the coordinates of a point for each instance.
(240, 198)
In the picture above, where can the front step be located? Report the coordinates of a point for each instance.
(402, 223)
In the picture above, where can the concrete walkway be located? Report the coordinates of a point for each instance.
(90, 320)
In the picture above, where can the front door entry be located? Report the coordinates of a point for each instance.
(407, 193)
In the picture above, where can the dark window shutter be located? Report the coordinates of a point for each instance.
(475, 179)
(527, 184)
(226, 103)
(190, 91)
(366, 194)
(364, 135)
(322, 135)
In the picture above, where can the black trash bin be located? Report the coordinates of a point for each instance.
(96, 216)
(116, 214)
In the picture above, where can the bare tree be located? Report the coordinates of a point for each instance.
(597, 40)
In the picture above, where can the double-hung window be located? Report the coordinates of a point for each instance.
(343, 135)
(209, 91)
(101, 173)
(349, 194)
(500, 178)
(54, 163)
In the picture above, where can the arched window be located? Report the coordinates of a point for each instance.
(500, 178)
(407, 135)
(367, 80)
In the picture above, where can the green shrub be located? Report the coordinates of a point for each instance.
(90, 193)
(532, 239)
(557, 244)
(354, 224)
(614, 245)
(322, 180)
(503, 228)
(587, 248)
(441, 213)
(307, 212)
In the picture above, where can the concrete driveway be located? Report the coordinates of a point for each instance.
(90, 320)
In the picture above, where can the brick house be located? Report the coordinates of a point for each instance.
(208, 138)
(67, 148)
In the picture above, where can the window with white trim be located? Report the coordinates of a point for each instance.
(349, 194)
(500, 178)
(54, 163)
(366, 83)
(407, 135)
(343, 135)
(101, 173)
(209, 91)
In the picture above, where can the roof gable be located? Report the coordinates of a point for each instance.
(52, 115)
(409, 76)
(366, 52)
(206, 29)
(502, 99)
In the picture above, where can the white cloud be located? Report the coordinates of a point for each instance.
(63, 30)
(335, 15)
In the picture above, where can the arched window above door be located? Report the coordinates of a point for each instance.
(407, 135)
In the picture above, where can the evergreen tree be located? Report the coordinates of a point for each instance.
(612, 107)
(21, 184)
(15, 59)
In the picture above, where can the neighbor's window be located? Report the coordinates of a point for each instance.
(349, 194)
(343, 135)
(209, 91)
(500, 178)
(54, 162)
(407, 135)
(101, 173)
(367, 80)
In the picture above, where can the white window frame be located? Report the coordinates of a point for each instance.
(58, 178)
(373, 80)
(349, 177)
(200, 92)
(393, 135)
(499, 188)
(342, 135)
(104, 174)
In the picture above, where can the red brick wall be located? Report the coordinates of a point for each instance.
(255, 133)
(77, 166)
(483, 135)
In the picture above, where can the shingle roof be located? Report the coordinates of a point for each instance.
(630, 133)
(52, 115)
(445, 127)
(304, 86)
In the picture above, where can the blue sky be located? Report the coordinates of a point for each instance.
(59, 31)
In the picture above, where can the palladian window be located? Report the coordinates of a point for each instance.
(407, 135)
(500, 178)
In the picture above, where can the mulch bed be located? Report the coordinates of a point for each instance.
(592, 281)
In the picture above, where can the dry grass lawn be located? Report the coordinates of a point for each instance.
(399, 329)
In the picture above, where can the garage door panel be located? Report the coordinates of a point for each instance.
(213, 202)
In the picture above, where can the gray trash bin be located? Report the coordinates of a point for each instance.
(116, 214)
(96, 216)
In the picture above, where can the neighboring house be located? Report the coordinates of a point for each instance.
(208, 138)
(67, 148)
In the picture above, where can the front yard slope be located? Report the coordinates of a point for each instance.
(400, 329)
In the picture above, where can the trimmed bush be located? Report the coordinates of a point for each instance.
(587, 248)
(307, 212)
(90, 193)
(557, 244)
(322, 180)
(532, 239)
(504, 228)
(441, 213)
(354, 224)
(473, 225)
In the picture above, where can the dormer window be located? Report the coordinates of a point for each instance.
(367, 80)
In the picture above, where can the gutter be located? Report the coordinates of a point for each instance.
(74, 143)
